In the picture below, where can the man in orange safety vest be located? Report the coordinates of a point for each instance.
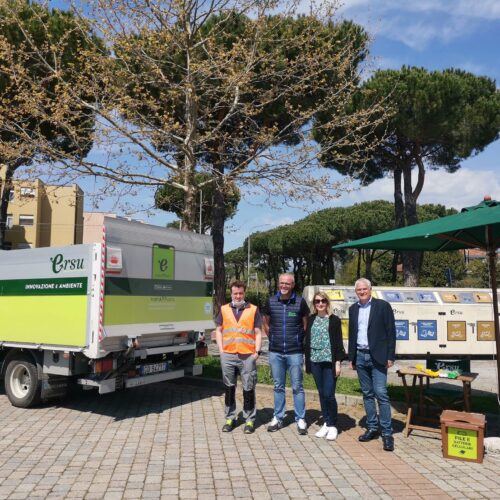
(239, 339)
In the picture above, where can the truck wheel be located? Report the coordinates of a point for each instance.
(22, 385)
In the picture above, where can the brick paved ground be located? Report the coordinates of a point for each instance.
(165, 441)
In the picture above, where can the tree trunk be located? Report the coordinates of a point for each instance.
(399, 213)
(302, 273)
(411, 260)
(316, 272)
(329, 268)
(399, 216)
(237, 272)
(189, 208)
(394, 269)
(411, 266)
(218, 219)
(4, 203)
(368, 264)
(268, 273)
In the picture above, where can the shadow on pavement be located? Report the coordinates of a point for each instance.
(397, 425)
(136, 402)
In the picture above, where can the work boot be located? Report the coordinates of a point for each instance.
(249, 428)
(228, 426)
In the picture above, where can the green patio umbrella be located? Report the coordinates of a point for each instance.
(473, 227)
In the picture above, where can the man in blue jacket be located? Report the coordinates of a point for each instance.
(372, 350)
(285, 319)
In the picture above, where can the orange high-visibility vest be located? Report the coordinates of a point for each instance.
(238, 337)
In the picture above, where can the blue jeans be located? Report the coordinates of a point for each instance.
(373, 381)
(326, 382)
(280, 363)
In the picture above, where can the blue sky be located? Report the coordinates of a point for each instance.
(435, 34)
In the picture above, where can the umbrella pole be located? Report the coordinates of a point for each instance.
(492, 257)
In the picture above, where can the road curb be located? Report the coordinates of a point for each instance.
(311, 395)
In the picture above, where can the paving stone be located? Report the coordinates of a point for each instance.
(141, 444)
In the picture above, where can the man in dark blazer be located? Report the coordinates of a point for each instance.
(372, 350)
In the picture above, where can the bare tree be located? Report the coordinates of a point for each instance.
(230, 89)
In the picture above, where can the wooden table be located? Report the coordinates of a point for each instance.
(424, 399)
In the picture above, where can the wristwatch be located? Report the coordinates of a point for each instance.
(259, 353)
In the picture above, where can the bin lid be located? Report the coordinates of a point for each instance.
(450, 416)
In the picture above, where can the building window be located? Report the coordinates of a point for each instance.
(28, 192)
(26, 220)
(11, 195)
(9, 222)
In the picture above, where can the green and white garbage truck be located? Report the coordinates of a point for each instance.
(123, 312)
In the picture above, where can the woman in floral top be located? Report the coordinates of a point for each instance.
(324, 350)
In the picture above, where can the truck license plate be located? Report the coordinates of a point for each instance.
(153, 368)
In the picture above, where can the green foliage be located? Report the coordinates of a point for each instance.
(437, 119)
(478, 274)
(382, 269)
(58, 37)
(41, 120)
(382, 261)
(171, 199)
(236, 263)
(219, 49)
(220, 93)
(306, 245)
(440, 116)
(175, 224)
(434, 268)
(257, 299)
(433, 211)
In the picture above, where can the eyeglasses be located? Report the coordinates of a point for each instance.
(320, 301)
(285, 284)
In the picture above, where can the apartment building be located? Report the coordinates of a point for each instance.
(42, 215)
(93, 223)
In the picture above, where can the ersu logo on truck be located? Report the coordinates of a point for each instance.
(59, 263)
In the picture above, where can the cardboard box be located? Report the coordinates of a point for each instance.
(462, 435)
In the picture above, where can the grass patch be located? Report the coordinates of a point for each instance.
(212, 369)
(345, 385)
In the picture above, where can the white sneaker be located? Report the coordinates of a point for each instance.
(322, 432)
(332, 433)
(275, 425)
(301, 426)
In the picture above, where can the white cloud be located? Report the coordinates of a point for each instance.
(463, 188)
(483, 9)
(419, 24)
(420, 33)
